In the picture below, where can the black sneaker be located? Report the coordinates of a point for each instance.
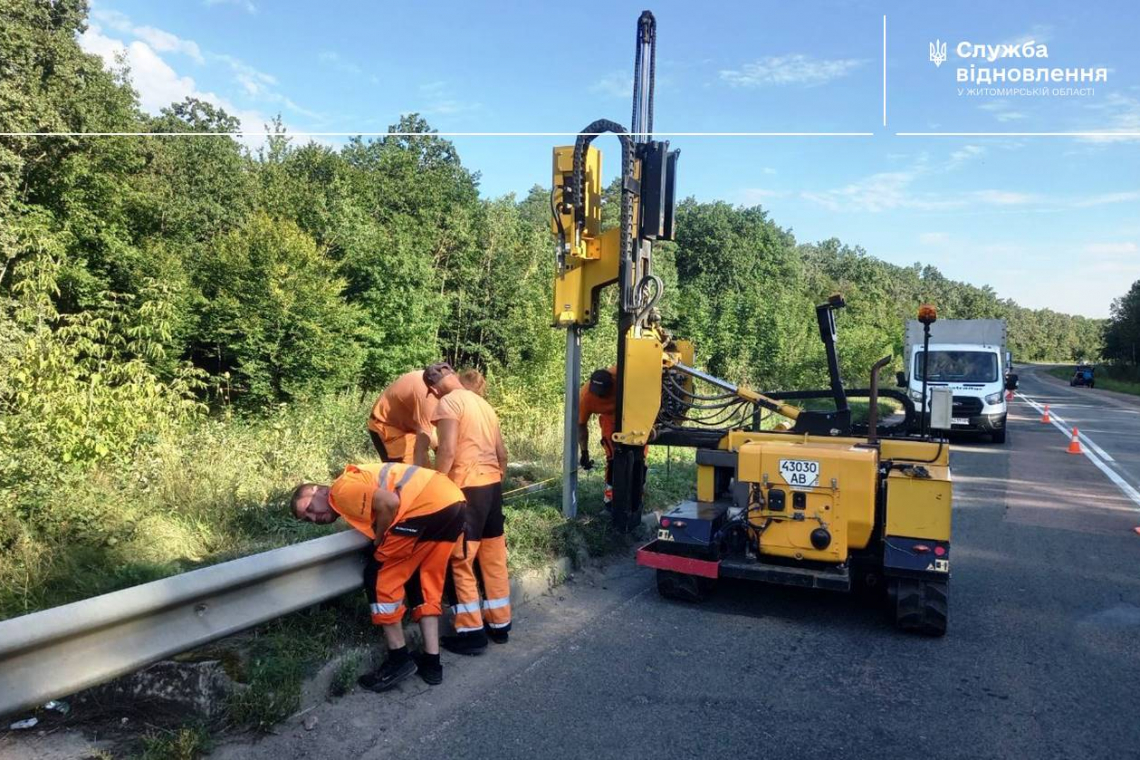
(498, 635)
(472, 643)
(387, 675)
(429, 669)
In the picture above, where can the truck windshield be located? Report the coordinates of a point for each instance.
(959, 367)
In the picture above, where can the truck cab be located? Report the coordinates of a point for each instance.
(971, 358)
(975, 376)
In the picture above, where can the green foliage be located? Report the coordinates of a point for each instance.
(272, 317)
(1122, 331)
(185, 743)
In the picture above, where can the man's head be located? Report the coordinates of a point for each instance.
(441, 379)
(310, 502)
(601, 383)
(473, 380)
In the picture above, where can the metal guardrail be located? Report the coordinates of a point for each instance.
(49, 654)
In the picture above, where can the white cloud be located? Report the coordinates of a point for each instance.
(964, 154)
(1002, 111)
(616, 84)
(245, 5)
(934, 238)
(886, 191)
(1004, 197)
(769, 170)
(790, 69)
(880, 192)
(334, 60)
(441, 101)
(156, 82)
(1111, 250)
(1116, 113)
(158, 39)
(755, 196)
(1107, 198)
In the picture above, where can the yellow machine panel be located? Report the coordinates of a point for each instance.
(592, 202)
(824, 485)
(644, 364)
(919, 507)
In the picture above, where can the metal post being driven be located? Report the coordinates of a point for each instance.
(570, 428)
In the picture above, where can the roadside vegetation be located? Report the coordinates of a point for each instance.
(1118, 366)
(1108, 377)
(189, 327)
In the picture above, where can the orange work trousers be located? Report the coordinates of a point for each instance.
(485, 560)
(410, 567)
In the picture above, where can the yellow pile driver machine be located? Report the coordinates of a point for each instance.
(815, 501)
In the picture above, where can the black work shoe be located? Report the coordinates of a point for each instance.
(429, 669)
(498, 635)
(387, 675)
(465, 643)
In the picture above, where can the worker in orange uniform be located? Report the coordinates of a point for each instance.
(415, 518)
(599, 396)
(472, 453)
(400, 422)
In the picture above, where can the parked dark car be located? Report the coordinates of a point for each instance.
(1083, 376)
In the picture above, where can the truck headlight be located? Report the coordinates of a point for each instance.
(916, 395)
(994, 398)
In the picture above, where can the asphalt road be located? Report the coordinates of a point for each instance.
(1042, 658)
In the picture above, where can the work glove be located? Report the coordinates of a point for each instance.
(584, 461)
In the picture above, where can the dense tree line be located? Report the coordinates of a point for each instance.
(1122, 331)
(143, 280)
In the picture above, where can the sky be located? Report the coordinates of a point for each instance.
(1049, 221)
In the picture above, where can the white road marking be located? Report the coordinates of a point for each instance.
(1109, 472)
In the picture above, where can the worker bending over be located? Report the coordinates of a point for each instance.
(400, 422)
(598, 396)
(472, 453)
(415, 518)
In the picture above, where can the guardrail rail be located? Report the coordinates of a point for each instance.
(49, 654)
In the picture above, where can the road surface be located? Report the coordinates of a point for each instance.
(1042, 658)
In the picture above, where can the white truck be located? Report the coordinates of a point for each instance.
(969, 357)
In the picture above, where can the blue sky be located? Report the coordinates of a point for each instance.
(1048, 221)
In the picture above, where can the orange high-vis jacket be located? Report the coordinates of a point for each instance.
(605, 408)
(422, 491)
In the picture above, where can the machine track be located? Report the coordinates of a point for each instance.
(681, 587)
(919, 606)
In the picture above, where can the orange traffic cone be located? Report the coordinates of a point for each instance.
(1075, 444)
(1045, 417)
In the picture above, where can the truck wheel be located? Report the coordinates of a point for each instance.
(998, 436)
(682, 587)
(919, 606)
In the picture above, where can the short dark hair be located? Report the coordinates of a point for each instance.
(434, 373)
(601, 382)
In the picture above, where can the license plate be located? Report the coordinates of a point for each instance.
(959, 421)
(801, 473)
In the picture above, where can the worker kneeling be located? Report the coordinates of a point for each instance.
(415, 518)
(471, 452)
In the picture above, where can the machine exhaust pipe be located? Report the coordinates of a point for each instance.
(873, 412)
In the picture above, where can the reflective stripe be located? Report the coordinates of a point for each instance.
(408, 473)
(494, 604)
(468, 630)
(386, 608)
(499, 625)
(465, 607)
